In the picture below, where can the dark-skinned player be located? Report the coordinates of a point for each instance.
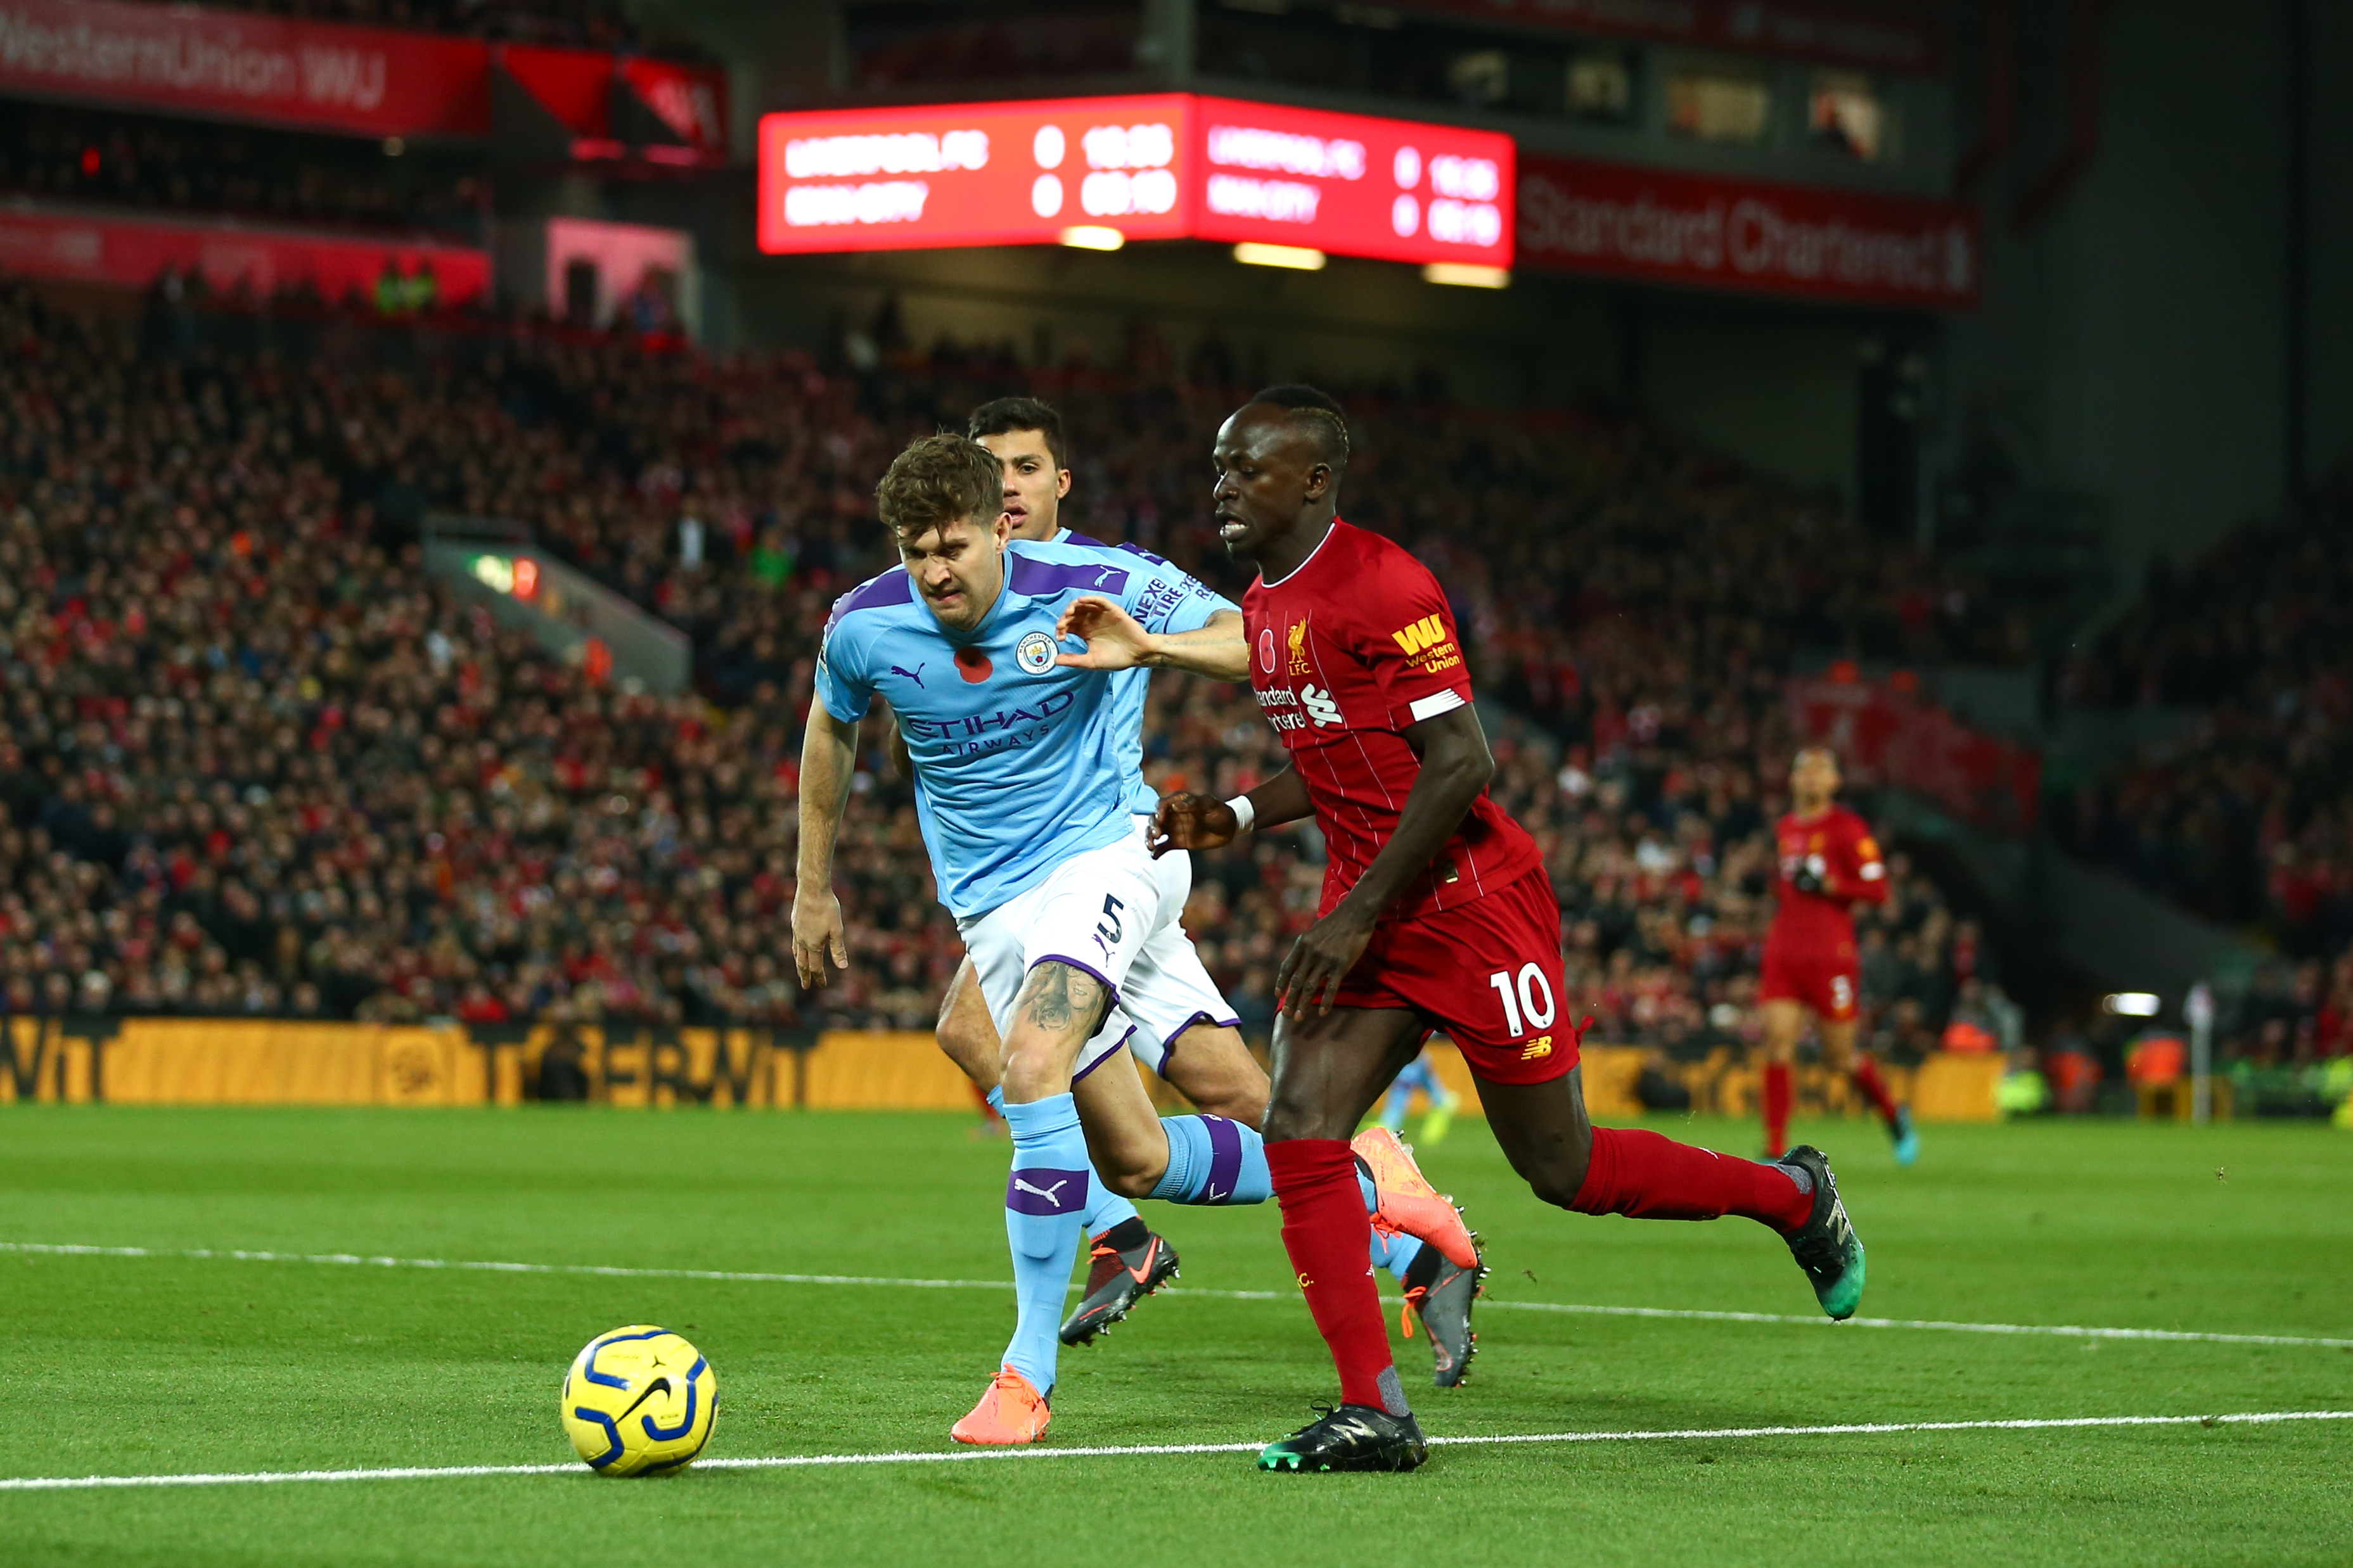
(1436, 914)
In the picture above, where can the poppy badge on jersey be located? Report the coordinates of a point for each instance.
(1035, 653)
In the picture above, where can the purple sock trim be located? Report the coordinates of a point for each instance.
(1081, 1076)
(1225, 1159)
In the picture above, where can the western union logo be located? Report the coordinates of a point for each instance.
(1425, 633)
(1535, 1050)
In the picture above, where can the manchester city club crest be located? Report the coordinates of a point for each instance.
(1035, 653)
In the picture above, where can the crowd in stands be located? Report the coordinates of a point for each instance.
(255, 761)
(147, 162)
(2245, 815)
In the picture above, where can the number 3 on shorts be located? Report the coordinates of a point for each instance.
(1841, 992)
(1534, 999)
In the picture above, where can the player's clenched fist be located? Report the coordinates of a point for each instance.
(817, 933)
(1190, 821)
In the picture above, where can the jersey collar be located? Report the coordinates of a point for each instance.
(1330, 529)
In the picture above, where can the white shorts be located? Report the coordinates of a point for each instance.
(1113, 912)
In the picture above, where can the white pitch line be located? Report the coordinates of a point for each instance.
(2068, 1330)
(1686, 1314)
(802, 1462)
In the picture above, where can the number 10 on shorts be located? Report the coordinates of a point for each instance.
(1528, 1003)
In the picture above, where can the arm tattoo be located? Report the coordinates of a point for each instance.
(1058, 998)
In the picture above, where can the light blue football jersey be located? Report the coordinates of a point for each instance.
(1128, 688)
(1021, 763)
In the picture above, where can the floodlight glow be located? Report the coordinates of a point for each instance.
(1461, 276)
(1092, 237)
(1298, 257)
(2131, 1004)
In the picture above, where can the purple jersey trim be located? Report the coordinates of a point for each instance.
(1168, 1046)
(1064, 958)
(1081, 1076)
(1038, 579)
(892, 587)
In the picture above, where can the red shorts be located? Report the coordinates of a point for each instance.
(1487, 973)
(1823, 981)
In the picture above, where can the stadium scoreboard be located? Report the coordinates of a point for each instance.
(1159, 166)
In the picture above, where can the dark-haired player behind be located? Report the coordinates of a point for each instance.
(1830, 863)
(1183, 1032)
(1436, 914)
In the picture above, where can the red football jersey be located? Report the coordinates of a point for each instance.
(1845, 855)
(1347, 653)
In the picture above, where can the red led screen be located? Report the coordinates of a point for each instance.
(976, 173)
(1158, 167)
(1397, 190)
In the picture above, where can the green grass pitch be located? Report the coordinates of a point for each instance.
(160, 1364)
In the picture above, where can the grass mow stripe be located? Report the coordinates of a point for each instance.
(1686, 1314)
(1146, 1450)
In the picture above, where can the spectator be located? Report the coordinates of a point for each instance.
(254, 760)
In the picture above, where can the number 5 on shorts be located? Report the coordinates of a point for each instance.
(1532, 986)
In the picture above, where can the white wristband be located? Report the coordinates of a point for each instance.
(1244, 813)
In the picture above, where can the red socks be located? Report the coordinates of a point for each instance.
(1866, 1078)
(1644, 1176)
(1329, 1238)
(1774, 1092)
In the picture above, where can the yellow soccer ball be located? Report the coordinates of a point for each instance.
(638, 1402)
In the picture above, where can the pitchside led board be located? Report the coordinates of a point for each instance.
(1167, 166)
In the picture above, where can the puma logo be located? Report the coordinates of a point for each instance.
(1104, 575)
(915, 675)
(1051, 1194)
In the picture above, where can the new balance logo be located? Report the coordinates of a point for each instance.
(1425, 633)
(1535, 1050)
(1051, 1194)
(1319, 706)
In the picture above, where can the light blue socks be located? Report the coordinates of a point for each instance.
(1049, 1189)
(1212, 1160)
(1105, 1208)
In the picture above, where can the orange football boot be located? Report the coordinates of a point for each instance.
(1407, 1203)
(1011, 1412)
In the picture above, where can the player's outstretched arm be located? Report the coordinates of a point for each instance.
(1455, 766)
(1190, 821)
(828, 751)
(1118, 640)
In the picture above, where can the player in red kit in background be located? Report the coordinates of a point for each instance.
(1436, 914)
(1830, 863)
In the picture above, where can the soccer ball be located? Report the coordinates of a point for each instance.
(638, 1402)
